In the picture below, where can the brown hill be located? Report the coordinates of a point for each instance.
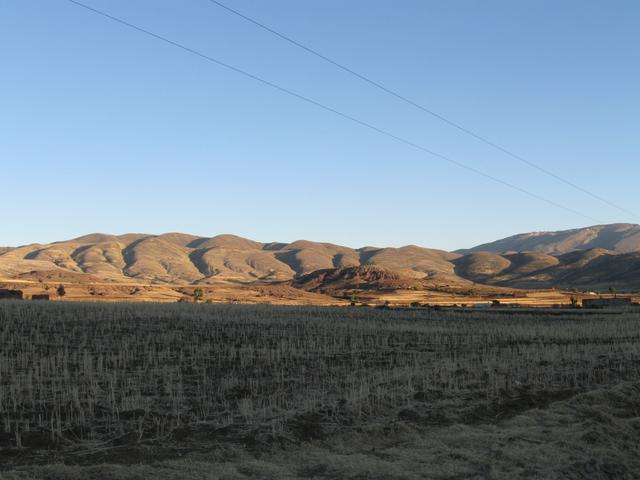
(411, 260)
(181, 259)
(590, 269)
(178, 258)
(600, 269)
(367, 277)
(618, 237)
(481, 266)
(305, 257)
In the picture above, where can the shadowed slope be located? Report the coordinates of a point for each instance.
(481, 266)
(371, 277)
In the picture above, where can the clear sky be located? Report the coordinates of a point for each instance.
(105, 129)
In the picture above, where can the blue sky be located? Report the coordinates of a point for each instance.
(105, 129)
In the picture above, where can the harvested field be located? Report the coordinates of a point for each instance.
(129, 390)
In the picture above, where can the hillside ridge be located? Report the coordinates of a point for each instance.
(592, 257)
(619, 237)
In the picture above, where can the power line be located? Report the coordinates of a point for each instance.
(332, 110)
(413, 103)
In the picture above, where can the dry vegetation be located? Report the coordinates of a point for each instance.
(86, 384)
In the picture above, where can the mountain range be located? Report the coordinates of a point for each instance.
(594, 257)
(617, 237)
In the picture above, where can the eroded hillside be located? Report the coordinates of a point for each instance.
(557, 259)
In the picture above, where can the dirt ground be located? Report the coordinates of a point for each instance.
(284, 294)
(277, 294)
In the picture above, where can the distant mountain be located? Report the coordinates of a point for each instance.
(187, 259)
(618, 237)
(594, 257)
(586, 269)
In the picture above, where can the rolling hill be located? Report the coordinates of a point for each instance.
(590, 258)
(617, 237)
(586, 269)
(176, 258)
(368, 277)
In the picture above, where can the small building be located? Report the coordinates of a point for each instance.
(6, 294)
(606, 302)
(40, 296)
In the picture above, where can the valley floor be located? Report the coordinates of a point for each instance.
(285, 294)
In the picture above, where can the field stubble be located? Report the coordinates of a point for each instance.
(129, 383)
